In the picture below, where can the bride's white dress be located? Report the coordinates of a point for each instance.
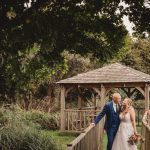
(124, 132)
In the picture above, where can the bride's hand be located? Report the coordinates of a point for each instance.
(136, 133)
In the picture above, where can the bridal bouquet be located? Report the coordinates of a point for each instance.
(134, 139)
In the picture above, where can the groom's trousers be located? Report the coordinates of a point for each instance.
(111, 135)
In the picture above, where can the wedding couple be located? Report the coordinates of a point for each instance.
(120, 123)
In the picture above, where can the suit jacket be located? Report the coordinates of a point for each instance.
(108, 110)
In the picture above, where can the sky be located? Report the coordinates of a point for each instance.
(129, 25)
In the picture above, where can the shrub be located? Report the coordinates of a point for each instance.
(19, 132)
(45, 120)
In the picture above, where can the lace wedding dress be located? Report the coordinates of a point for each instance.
(124, 132)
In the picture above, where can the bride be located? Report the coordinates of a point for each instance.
(127, 127)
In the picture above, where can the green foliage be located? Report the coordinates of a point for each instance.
(79, 64)
(45, 120)
(121, 54)
(138, 56)
(17, 131)
(33, 36)
(139, 104)
(25, 73)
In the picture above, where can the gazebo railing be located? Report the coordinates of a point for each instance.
(90, 139)
(78, 120)
(146, 131)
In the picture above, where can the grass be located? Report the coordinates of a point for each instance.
(104, 142)
(62, 139)
(105, 139)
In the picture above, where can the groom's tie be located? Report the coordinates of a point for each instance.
(117, 108)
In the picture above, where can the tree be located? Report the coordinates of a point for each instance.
(89, 26)
(138, 56)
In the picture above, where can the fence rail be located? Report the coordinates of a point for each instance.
(78, 120)
(146, 131)
(89, 139)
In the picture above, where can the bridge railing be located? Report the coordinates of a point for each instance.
(146, 131)
(90, 139)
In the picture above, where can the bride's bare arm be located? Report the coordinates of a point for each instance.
(133, 119)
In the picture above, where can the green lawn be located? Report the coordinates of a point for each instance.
(62, 139)
(105, 138)
(105, 142)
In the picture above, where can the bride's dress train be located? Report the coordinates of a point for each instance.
(124, 132)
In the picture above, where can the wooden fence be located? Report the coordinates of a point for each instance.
(90, 139)
(139, 115)
(78, 120)
(146, 132)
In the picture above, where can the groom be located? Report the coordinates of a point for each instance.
(111, 110)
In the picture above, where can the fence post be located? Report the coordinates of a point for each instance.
(63, 119)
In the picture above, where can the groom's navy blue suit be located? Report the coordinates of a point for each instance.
(111, 124)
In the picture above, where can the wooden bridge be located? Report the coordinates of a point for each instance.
(100, 82)
(91, 138)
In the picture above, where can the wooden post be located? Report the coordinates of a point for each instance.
(79, 97)
(62, 98)
(147, 96)
(79, 101)
(103, 94)
(98, 91)
(129, 92)
(94, 102)
(103, 91)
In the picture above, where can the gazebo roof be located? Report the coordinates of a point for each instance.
(113, 73)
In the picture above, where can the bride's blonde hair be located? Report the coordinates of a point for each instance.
(129, 101)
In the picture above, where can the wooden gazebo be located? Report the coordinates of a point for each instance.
(101, 80)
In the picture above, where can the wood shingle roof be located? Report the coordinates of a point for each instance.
(113, 73)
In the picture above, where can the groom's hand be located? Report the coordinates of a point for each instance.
(93, 124)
